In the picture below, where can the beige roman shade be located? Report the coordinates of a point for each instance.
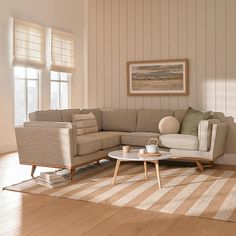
(28, 44)
(62, 51)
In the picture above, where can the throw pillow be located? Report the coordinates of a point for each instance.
(169, 125)
(190, 122)
(85, 123)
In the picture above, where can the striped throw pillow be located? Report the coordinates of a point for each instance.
(86, 123)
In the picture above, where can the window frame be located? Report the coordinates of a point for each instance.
(60, 81)
(26, 98)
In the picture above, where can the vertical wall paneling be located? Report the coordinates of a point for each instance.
(139, 37)
(127, 30)
(210, 79)
(156, 42)
(123, 53)
(201, 56)
(220, 55)
(131, 42)
(92, 81)
(192, 51)
(100, 54)
(173, 41)
(115, 54)
(107, 52)
(230, 58)
(147, 13)
(165, 42)
(182, 42)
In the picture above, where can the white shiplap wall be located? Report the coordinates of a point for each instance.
(204, 31)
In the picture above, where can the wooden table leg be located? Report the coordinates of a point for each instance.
(158, 173)
(33, 170)
(145, 169)
(116, 171)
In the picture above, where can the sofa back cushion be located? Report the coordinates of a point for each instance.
(98, 115)
(119, 120)
(85, 123)
(148, 120)
(66, 114)
(179, 114)
(48, 115)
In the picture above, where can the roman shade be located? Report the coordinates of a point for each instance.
(62, 51)
(28, 44)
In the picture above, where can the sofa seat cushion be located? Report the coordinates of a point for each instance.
(179, 141)
(138, 138)
(108, 139)
(87, 145)
(93, 142)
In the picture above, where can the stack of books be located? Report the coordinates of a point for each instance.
(51, 179)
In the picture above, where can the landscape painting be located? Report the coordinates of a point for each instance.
(169, 77)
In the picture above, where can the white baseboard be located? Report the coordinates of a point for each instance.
(11, 147)
(227, 159)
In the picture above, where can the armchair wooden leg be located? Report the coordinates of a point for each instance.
(199, 165)
(33, 170)
(72, 173)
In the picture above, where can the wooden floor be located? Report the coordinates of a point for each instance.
(28, 214)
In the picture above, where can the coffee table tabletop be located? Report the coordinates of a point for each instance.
(133, 156)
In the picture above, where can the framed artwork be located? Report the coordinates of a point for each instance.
(162, 77)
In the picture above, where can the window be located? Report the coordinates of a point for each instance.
(30, 58)
(60, 85)
(28, 44)
(26, 93)
(62, 51)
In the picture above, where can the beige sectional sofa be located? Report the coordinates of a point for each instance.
(50, 138)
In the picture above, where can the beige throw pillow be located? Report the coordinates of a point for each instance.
(169, 125)
(85, 123)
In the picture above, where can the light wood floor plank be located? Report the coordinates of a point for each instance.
(29, 214)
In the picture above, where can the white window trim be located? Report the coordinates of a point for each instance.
(26, 79)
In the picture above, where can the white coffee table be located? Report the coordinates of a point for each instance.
(133, 156)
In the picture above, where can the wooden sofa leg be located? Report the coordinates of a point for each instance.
(199, 165)
(33, 170)
(72, 173)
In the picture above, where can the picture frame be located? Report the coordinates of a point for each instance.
(158, 78)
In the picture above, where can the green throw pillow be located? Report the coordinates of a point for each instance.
(190, 122)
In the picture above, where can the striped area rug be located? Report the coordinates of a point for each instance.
(211, 194)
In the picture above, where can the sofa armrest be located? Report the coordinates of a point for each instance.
(218, 139)
(46, 143)
(205, 133)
